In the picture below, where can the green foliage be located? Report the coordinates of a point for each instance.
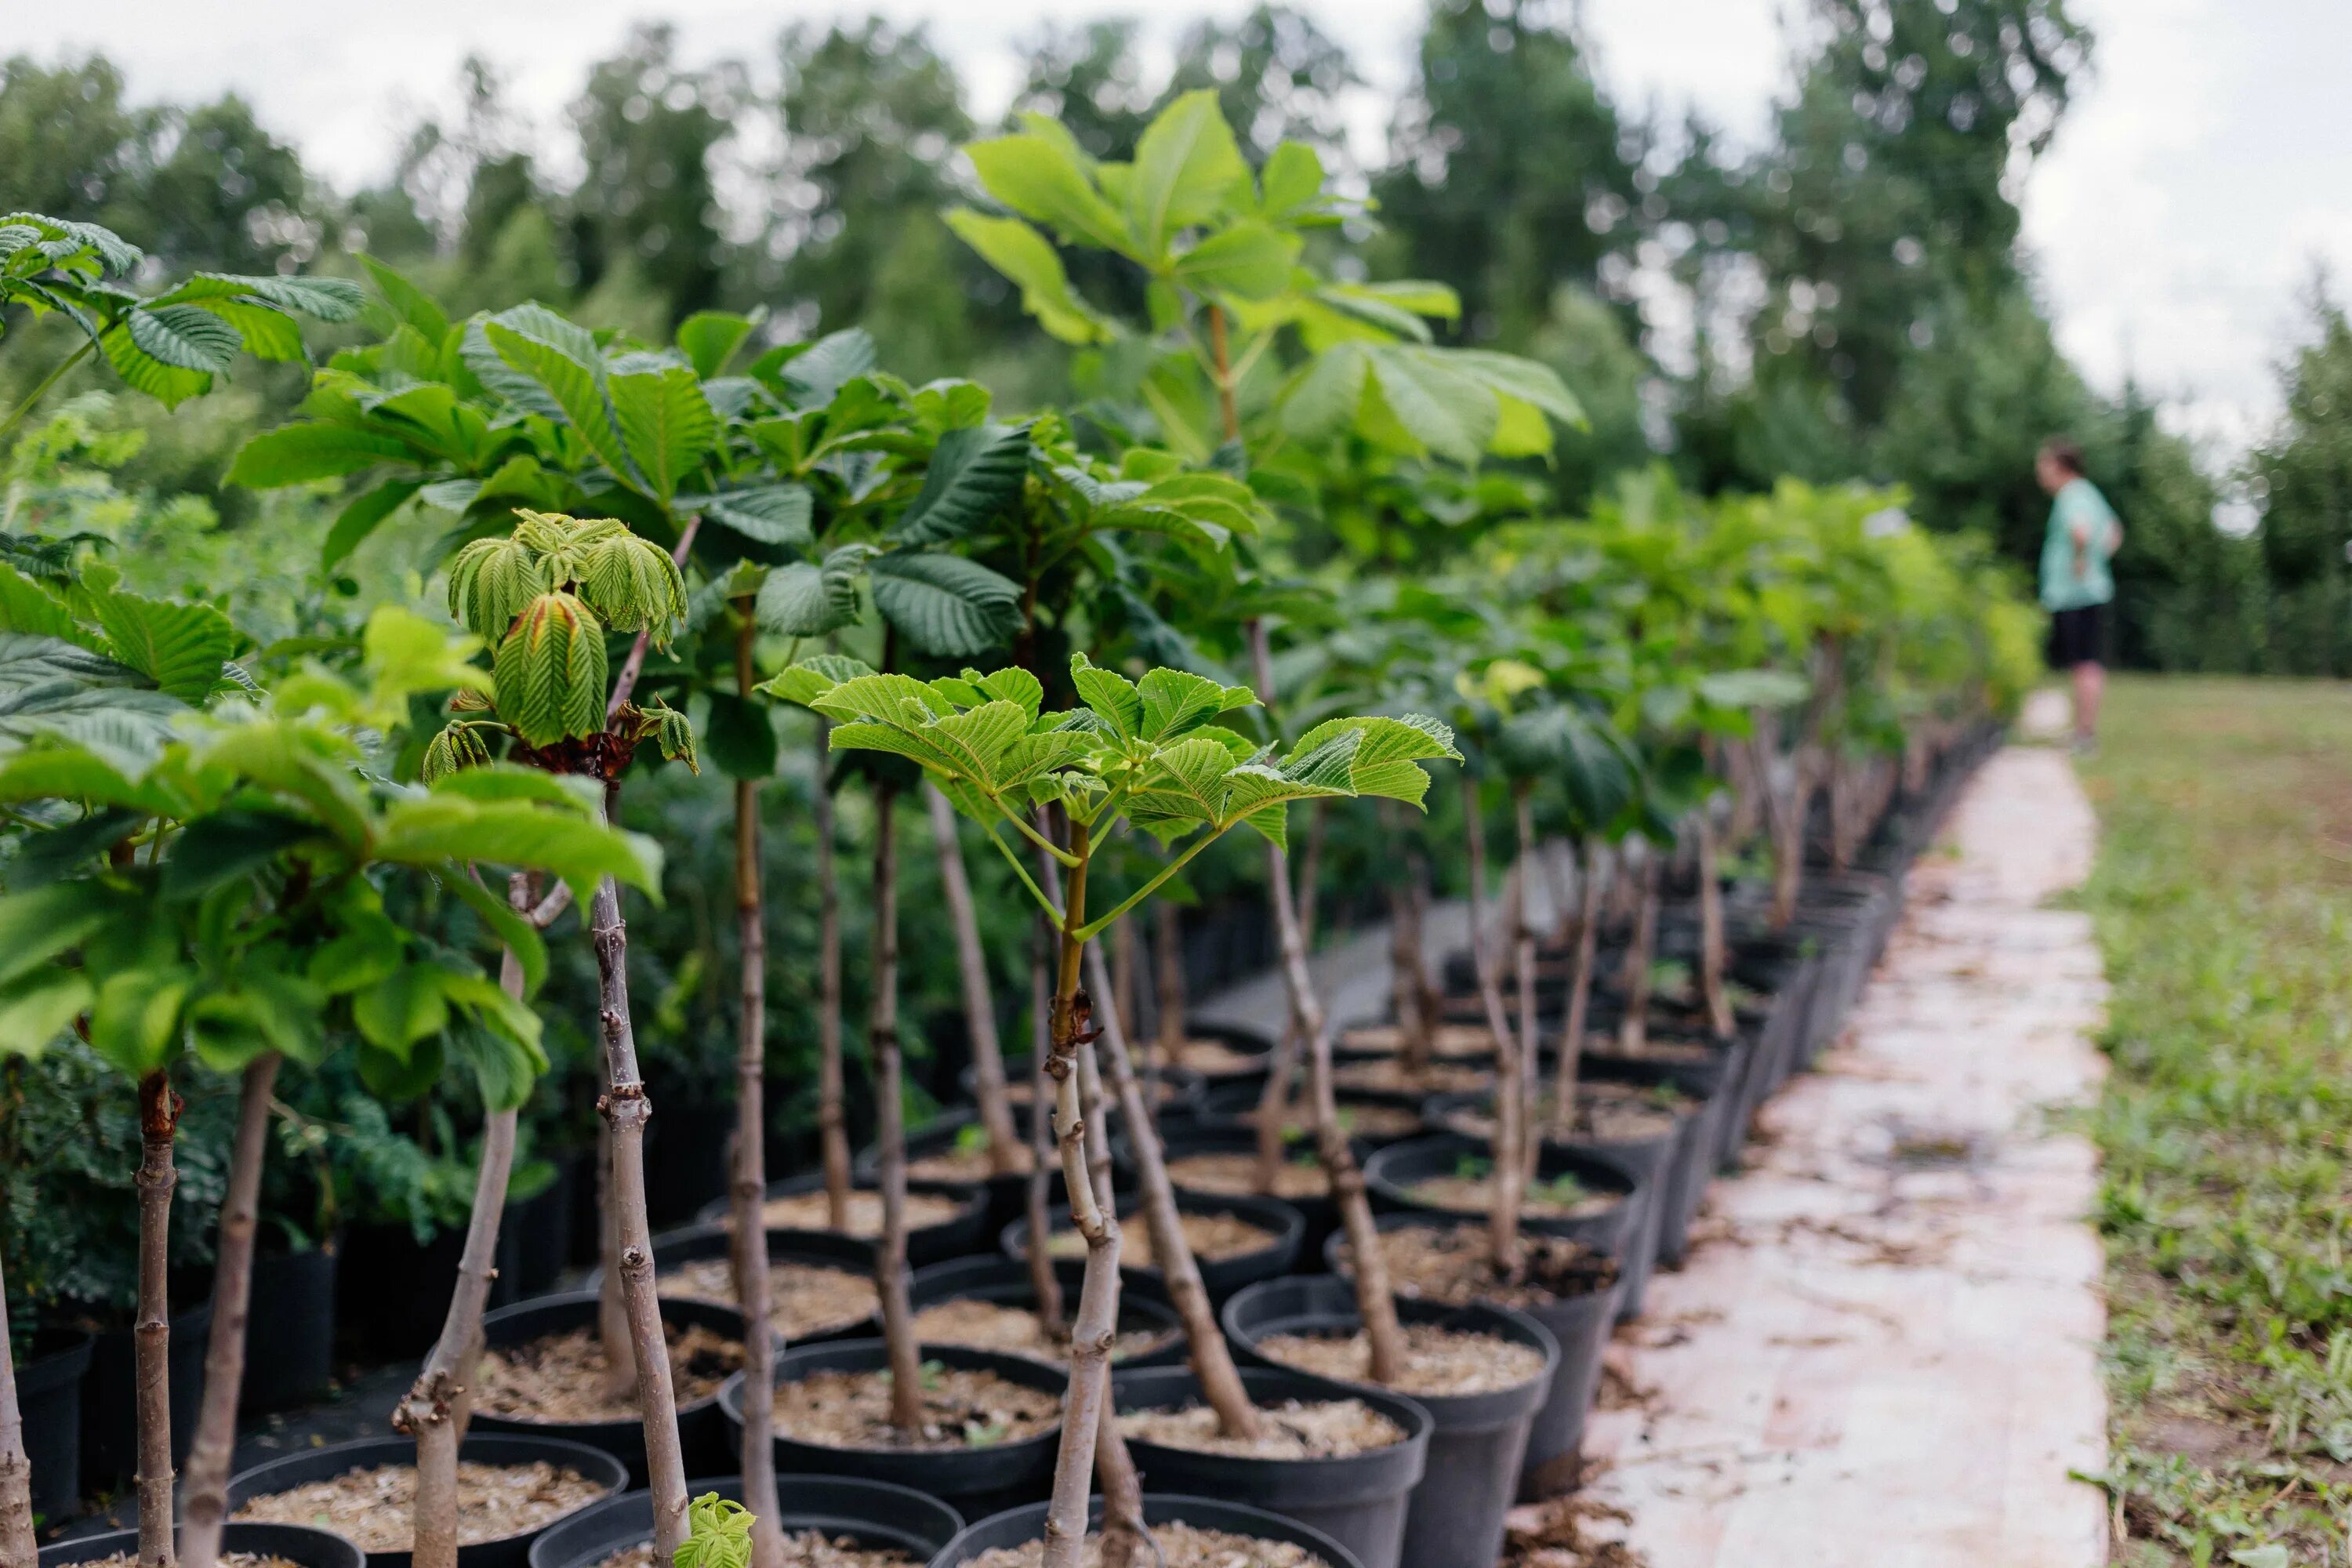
(718, 1535)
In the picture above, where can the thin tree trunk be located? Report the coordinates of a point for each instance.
(1123, 1529)
(1212, 1362)
(1634, 1030)
(627, 1110)
(1556, 889)
(1579, 992)
(159, 1125)
(1503, 1222)
(19, 1548)
(1168, 967)
(979, 1005)
(1521, 1083)
(832, 1119)
(434, 1410)
(1043, 1282)
(1084, 1409)
(882, 1045)
(1713, 959)
(750, 1176)
(205, 1500)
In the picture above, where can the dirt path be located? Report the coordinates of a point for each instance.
(1886, 1355)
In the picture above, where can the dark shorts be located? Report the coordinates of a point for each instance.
(2078, 636)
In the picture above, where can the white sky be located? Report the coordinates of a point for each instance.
(2202, 174)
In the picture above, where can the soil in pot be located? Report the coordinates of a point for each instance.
(963, 1408)
(1180, 1546)
(1387, 1075)
(1370, 1120)
(561, 1377)
(1219, 1058)
(1471, 1187)
(1212, 1237)
(242, 1546)
(372, 1506)
(804, 1298)
(810, 1211)
(1294, 1429)
(1438, 1361)
(803, 1549)
(1018, 1331)
(1236, 1174)
(1604, 1113)
(1445, 1041)
(1450, 1263)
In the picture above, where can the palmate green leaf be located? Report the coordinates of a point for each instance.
(298, 454)
(945, 604)
(666, 423)
(302, 763)
(1384, 760)
(708, 339)
(180, 647)
(1187, 169)
(1323, 398)
(974, 475)
(27, 607)
(441, 828)
(1038, 177)
(168, 384)
(768, 514)
(634, 584)
(818, 372)
(492, 581)
(46, 662)
(220, 849)
(134, 1016)
(550, 671)
(36, 1009)
(40, 925)
(1184, 789)
(1176, 702)
(1260, 797)
(266, 331)
(408, 302)
(1441, 404)
(811, 681)
(1110, 696)
(572, 380)
(404, 1007)
(183, 336)
(515, 933)
(326, 299)
(1560, 745)
(120, 731)
(805, 599)
(1250, 261)
(1029, 261)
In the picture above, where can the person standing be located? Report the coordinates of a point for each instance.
(2076, 585)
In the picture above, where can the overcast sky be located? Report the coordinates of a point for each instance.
(2204, 171)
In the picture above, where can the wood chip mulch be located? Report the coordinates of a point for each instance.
(1235, 1175)
(962, 1408)
(227, 1560)
(1437, 1360)
(1180, 1546)
(804, 1298)
(964, 1165)
(809, 1211)
(803, 1549)
(1213, 1236)
(1294, 1429)
(1451, 1264)
(561, 1377)
(1017, 1330)
(370, 1507)
(1392, 1076)
(1474, 1195)
(1445, 1041)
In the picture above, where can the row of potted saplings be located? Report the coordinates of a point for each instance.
(1514, 1149)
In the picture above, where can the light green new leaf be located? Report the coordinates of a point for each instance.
(1176, 701)
(1113, 697)
(1442, 405)
(180, 647)
(708, 339)
(1383, 758)
(134, 1017)
(1029, 261)
(1323, 398)
(437, 829)
(550, 671)
(36, 1008)
(1039, 179)
(1187, 169)
(1250, 260)
(298, 454)
(573, 383)
(404, 1007)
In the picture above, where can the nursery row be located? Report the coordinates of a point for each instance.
(1705, 736)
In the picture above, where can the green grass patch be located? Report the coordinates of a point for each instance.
(2222, 898)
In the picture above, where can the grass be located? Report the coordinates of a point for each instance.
(2223, 899)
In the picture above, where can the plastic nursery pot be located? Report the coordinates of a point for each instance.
(478, 1449)
(1180, 1088)
(1395, 1172)
(1143, 1307)
(1221, 1277)
(687, 1145)
(1376, 1118)
(702, 1433)
(1358, 1499)
(48, 1398)
(1476, 1441)
(812, 1248)
(1242, 1064)
(1304, 1187)
(960, 1234)
(972, 1480)
(297, 1543)
(1026, 1526)
(1691, 1159)
(1578, 1320)
(293, 1315)
(957, 1137)
(1648, 1160)
(876, 1516)
(109, 1406)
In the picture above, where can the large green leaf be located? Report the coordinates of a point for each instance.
(39, 925)
(1442, 405)
(408, 302)
(573, 381)
(974, 474)
(667, 423)
(439, 829)
(298, 454)
(517, 934)
(805, 599)
(708, 339)
(945, 604)
(1029, 261)
(1187, 168)
(1038, 178)
(768, 514)
(741, 736)
(1249, 262)
(36, 1008)
(828, 365)
(180, 647)
(216, 849)
(134, 1019)
(27, 606)
(183, 336)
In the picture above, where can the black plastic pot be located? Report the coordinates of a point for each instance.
(1321, 1212)
(939, 1136)
(110, 1403)
(1143, 1307)
(972, 1482)
(1220, 1277)
(1394, 1172)
(484, 1448)
(535, 1236)
(702, 1432)
(1580, 1323)
(816, 1248)
(687, 1145)
(1649, 1160)
(296, 1544)
(959, 1235)
(291, 1326)
(48, 1396)
(1476, 1441)
(1183, 1089)
(1022, 1526)
(1236, 1076)
(1358, 1500)
(1690, 1162)
(877, 1517)
(1235, 1105)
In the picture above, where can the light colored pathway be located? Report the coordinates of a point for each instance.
(1885, 1354)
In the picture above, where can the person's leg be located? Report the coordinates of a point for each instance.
(2090, 685)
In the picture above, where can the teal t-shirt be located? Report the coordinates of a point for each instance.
(2079, 503)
